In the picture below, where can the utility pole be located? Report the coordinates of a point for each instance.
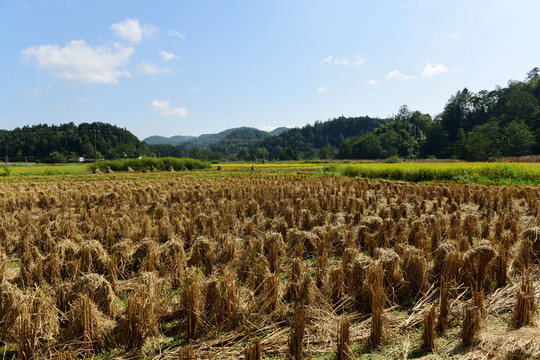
(95, 145)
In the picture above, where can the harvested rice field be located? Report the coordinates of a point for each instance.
(268, 267)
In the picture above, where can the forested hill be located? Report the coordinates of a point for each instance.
(210, 146)
(173, 140)
(472, 126)
(319, 140)
(238, 139)
(241, 134)
(68, 142)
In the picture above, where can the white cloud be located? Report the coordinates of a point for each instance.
(398, 75)
(321, 90)
(78, 61)
(176, 33)
(132, 31)
(454, 36)
(151, 68)
(327, 59)
(164, 108)
(149, 30)
(60, 106)
(129, 30)
(196, 89)
(434, 69)
(83, 99)
(373, 82)
(341, 62)
(168, 56)
(33, 92)
(359, 60)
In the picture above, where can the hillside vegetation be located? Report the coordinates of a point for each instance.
(482, 126)
(68, 142)
(504, 122)
(472, 126)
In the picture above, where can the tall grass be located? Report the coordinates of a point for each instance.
(486, 173)
(6, 171)
(144, 163)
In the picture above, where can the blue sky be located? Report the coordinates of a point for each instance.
(193, 67)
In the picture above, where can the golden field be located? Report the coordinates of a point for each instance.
(269, 264)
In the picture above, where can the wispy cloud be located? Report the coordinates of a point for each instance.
(83, 99)
(434, 69)
(398, 75)
(321, 90)
(132, 31)
(176, 33)
(33, 92)
(341, 62)
(164, 108)
(373, 82)
(151, 68)
(80, 62)
(358, 61)
(327, 59)
(166, 56)
(196, 89)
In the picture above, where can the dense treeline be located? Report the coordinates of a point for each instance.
(235, 141)
(182, 150)
(68, 142)
(473, 126)
(211, 147)
(320, 140)
(402, 136)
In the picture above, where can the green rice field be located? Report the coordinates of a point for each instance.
(460, 172)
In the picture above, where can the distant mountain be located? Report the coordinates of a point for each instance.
(240, 134)
(279, 130)
(310, 141)
(173, 140)
(239, 138)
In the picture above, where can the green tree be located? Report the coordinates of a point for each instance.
(327, 152)
(437, 141)
(517, 139)
(483, 143)
(456, 113)
(522, 105)
(56, 157)
(243, 154)
(367, 147)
